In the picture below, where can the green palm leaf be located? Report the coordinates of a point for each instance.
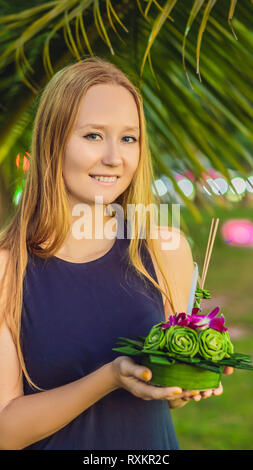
(194, 124)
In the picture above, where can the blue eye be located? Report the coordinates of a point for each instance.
(126, 137)
(130, 137)
(86, 136)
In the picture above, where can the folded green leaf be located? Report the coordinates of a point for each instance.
(127, 350)
(138, 344)
(161, 360)
(241, 357)
(213, 368)
(244, 366)
(159, 353)
(182, 340)
(213, 344)
(155, 338)
(214, 340)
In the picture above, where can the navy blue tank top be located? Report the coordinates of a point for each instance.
(73, 314)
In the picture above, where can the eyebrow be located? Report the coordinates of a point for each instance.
(101, 126)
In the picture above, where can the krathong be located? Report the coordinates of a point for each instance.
(189, 350)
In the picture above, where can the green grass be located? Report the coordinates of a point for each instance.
(226, 421)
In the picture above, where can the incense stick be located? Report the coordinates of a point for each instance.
(209, 251)
(206, 254)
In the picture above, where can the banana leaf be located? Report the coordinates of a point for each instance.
(138, 344)
(182, 375)
(162, 360)
(133, 347)
(127, 350)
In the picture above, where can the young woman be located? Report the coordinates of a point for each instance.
(66, 297)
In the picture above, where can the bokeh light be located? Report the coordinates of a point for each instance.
(187, 187)
(249, 188)
(238, 232)
(239, 184)
(222, 184)
(160, 187)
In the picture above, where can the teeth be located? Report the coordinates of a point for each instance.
(105, 178)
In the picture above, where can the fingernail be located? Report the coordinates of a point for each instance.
(176, 392)
(145, 375)
(195, 393)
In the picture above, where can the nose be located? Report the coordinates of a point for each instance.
(112, 156)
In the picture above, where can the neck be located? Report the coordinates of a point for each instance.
(91, 231)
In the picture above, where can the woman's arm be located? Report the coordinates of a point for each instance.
(26, 419)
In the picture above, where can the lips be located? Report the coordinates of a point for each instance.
(106, 176)
(104, 183)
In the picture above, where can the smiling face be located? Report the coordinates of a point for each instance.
(104, 141)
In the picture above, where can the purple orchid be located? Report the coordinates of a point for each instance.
(181, 319)
(196, 321)
(201, 322)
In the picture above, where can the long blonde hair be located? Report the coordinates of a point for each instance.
(42, 214)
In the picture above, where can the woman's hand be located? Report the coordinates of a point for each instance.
(134, 377)
(197, 395)
(228, 370)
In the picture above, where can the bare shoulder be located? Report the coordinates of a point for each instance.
(173, 244)
(177, 259)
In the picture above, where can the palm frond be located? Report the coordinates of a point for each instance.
(157, 25)
(201, 120)
(100, 24)
(202, 28)
(193, 14)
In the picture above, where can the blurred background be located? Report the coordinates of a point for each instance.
(193, 62)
